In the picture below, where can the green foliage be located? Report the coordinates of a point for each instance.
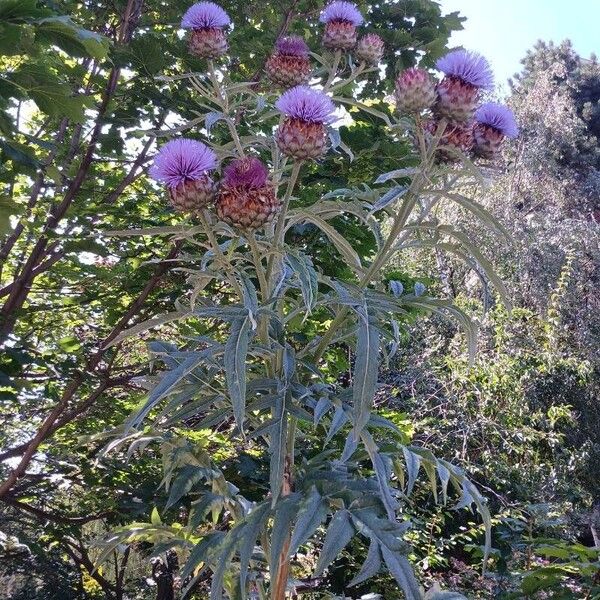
(360, 475)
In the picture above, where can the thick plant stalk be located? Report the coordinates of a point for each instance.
(280, 227)
(219, 253)
(283, 567)
(224, 104)
(399, 224)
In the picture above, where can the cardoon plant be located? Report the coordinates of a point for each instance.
(183, 165)
(207, 21)
(370, 49)
(247, 199)
(303, 134)
(290, 64)
(493, 123)
(266, 320)
(341, 20)
(458, 93)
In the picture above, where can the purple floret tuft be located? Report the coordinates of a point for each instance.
(292, 45)
(182, 160)
(307, 104)
(205, 15)
(470, 67)
(246, 172)
(498, 116)
(341, 11)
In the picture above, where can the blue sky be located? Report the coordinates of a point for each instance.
(504, 29)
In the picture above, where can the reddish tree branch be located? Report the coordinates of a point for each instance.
(53, 517)
(22, 283)
(48, 426)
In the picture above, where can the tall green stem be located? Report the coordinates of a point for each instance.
(221, 258)
(257, 259)
(280, 227)
(334, 69)
(224, 103)
(400, 222)
(281, 575)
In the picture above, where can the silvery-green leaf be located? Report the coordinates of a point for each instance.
(413, 464)
(337, 422)
(430, 469)
(378, 421)
(395, 345)
(479, 211)
(302, 266)
(484, 511)
(186, 479)
(390, 196)
(336, 238)
(365, 108)
(168, 384)
(312, 513)
(436, 593)
(209, 502)
(366, 370)
(350, 448)
(339, 193)
(444, 474)
(339, 534)
(223, 561)
(261, 103)
(397, 288)
(256, 520)
(474, 252)
(382, 473)
(277, 448)
(234, 359)
(323, 405)
(420, 289)
(403, 573)
(334, 137)
(211, 119)
(223, 313)
(397, 174)
(149, 324)
(285, 274)
(285, 513)
(370, 567)
(200, 552)
(388, 533)
(250, 298)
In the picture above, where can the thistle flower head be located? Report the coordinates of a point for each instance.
(470, 67)
(247, 172)
(341, 11)
(372, 39)
(182, 160)
(498, 116)
(205, 15)
(292, 45)
(307, 104)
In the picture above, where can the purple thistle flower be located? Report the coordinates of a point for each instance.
(341, 11)
(470, 67)
(182, 160)
(307, 104)
(292, 45)
(498, 116)
(205, 15)
(246, 172)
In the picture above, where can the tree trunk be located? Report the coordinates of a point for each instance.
(163, 572)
